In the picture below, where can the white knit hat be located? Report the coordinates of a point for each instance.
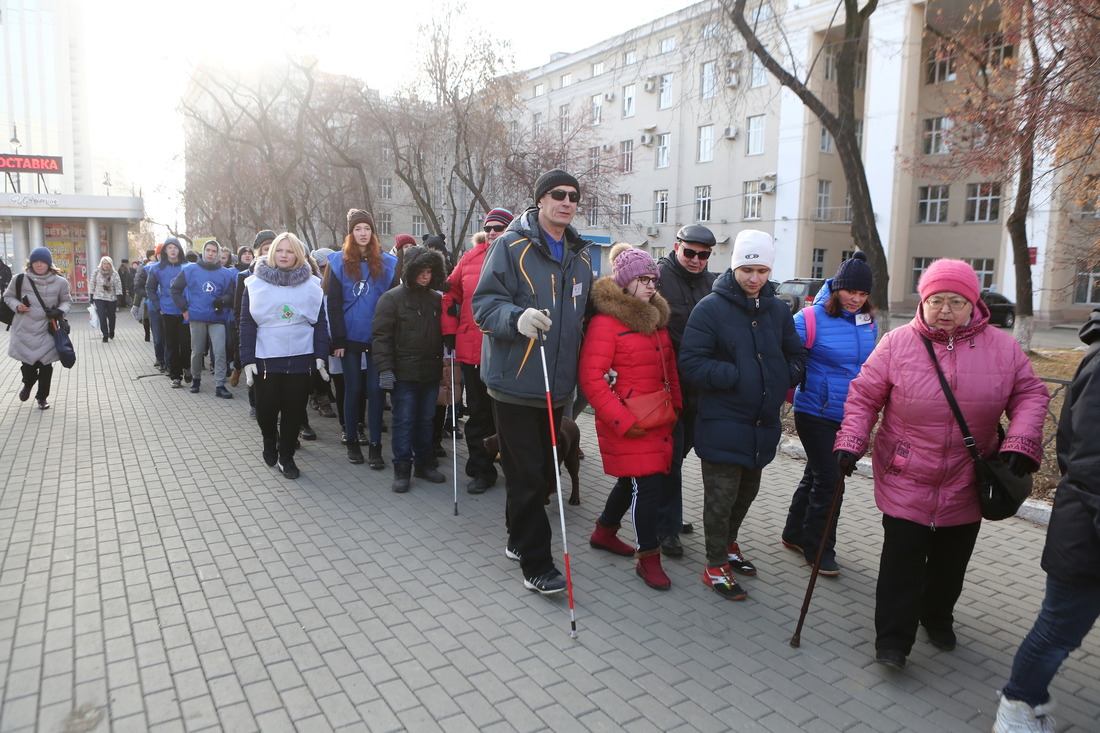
(753, 247)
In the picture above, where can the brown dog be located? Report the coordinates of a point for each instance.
(569, 448)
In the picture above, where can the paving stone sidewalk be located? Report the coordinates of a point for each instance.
(155, 575)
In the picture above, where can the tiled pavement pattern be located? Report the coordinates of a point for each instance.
(156, 576)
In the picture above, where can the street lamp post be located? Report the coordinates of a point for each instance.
(15, 145)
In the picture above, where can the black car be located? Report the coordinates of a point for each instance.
(1002, 310)
(800, 292)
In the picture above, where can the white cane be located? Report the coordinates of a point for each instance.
(454, 438)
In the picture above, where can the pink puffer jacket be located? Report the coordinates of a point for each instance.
(923, 471)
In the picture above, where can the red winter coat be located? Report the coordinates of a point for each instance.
(629, 336)
(463, 280)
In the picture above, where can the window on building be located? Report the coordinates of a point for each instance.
(667, 45)
(940, 66)
(998, 51)
(848, 208)
(708, 82)
(664, 147)
(710, 30)
(706, 143)
(754, 135)
(537, 124)
(826, 143)
(664, 97)
(385, 223)
(624, 209)
(597, 68)
(591, 211)
(936, 130)
(385, 188)
(932, 204)
(702, 203)
(846, 254)
(1086, 286)
(595, 115)
(594, 160)
(513, 133)
(628, 100)
(829, 53)
(861, 68)
(563, 119)
(630, 57)
(824, 200)
(758, 75)
(817, 263)
(540, 89)
(419, 227)
(984, 267)
(920, 264)
(660, 206)
(752, 200)
(387, 154)
(626, 156)
(983, 202)
(657, 252)
(566, 80)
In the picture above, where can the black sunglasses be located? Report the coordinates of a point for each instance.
(691, 254)
(494, 228)
(558, 195)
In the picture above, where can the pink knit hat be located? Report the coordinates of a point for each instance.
(953, 276)
(629, 262)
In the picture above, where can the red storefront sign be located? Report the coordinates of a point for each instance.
(31, 164)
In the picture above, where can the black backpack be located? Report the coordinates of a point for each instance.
(6, 313)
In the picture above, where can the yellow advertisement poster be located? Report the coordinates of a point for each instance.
(68, 244)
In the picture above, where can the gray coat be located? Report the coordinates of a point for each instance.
(29, 340)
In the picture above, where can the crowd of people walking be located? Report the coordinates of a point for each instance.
(671, 357)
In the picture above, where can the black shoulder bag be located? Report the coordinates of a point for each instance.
(1000, 492)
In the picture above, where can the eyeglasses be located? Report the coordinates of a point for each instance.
(691, 254)
(558, 195)
(494, 228)
(646, 279)
(955, 304)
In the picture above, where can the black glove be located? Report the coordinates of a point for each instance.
(55, 313)
(454, 309)
(219, 303)
(449, 341)
(1018, 463)
(845, 461)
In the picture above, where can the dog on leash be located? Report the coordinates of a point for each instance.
(569, 449)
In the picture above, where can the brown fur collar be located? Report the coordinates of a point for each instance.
(638, 315)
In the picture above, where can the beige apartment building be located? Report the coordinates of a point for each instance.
(695, 131)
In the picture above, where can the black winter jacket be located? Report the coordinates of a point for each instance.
(682, 290)
(407, 337)
(1072, 551)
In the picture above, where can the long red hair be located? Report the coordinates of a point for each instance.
(353, 258)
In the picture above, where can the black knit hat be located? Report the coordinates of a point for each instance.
(359, 216)
(263, 237)
(853, 274)
(550, 179)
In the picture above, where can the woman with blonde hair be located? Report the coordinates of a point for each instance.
(284, 340)
(106, 287)
(357, 276)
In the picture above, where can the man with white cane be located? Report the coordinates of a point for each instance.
(534, 284)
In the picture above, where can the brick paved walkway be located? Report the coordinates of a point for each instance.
(157, 576)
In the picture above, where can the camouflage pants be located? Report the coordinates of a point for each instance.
(728, 492)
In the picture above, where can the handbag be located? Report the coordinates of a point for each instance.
(652, 409)
(59, 329)
(1000, 492)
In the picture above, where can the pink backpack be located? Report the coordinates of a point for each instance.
(811, 332)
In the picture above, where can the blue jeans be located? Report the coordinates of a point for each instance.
(1068, 613)
(805, 525)
(353, 381)
(156, 325)
(413, 409)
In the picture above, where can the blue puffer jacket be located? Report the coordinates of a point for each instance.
(198, 285)
(840, 347)
(743, 354)
(159, 285)
(351, 304)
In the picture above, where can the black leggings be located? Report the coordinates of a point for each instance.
(280, 408)
(41, 373)
(105, 310)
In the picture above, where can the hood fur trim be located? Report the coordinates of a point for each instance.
(416, 259)
(275, 276)
(637, 315)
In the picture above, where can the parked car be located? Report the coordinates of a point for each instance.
(800, 292)
(1002, 310)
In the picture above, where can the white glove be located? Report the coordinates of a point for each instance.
(321, 369)
(532, 321)
(610, 377)
(386, 380)
(249, 374)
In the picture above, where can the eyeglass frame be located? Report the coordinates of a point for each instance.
(947, 302)
(648, 280)
(559, 195)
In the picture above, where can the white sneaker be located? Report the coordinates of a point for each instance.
(1016, 716)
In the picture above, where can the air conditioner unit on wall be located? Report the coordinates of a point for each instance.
(652, 231)
(733, 80)
(732, 132)
(647, 138)
(608, 147)
(767, 187)
(650, 86)
(609, 96)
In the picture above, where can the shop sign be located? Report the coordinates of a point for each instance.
(31, 164)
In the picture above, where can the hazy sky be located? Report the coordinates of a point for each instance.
(141, 51)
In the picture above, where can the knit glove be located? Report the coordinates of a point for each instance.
(449, 341)
(322, 370)
(249, 373)
(531, 321)
(1018, 463)
(845, 461)
(386, 379)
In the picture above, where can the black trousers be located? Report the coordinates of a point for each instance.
(280, 408)
(41, 373)
(479, 425)
(920, 578)
(105, 310)
(527, 457)
(177, 345)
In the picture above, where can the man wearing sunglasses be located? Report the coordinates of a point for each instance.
(684, 281)
(532, 295)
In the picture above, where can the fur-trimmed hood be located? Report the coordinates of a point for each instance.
(638, 315)
(286, 278)
(416, 259)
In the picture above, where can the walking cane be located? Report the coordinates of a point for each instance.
(797, 638)
(557, 478)
(454, 439)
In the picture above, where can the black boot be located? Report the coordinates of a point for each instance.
(401, 477)
(287, 467)
(271, 452)
(355, 455)
(374, 456)
(428, 473)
